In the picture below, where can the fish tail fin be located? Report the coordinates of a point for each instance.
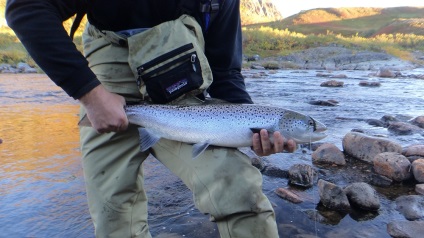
(147, 139)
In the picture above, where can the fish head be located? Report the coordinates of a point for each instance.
(301, 128)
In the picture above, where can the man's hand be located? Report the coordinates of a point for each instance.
(263, 146)
(105, 110)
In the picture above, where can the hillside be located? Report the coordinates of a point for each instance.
(366, 22)
(252, 11)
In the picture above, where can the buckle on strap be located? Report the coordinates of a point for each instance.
(209, 6)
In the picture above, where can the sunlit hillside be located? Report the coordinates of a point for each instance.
(365, 22)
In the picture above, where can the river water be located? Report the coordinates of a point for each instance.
(42, 190)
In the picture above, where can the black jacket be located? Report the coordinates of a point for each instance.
(38, 24)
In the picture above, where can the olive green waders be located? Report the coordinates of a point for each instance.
(224, 183)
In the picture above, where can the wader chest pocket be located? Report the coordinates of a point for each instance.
(171, 75)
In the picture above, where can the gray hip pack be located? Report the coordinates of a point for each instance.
(168, 60)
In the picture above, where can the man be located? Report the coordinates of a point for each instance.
(224, 183)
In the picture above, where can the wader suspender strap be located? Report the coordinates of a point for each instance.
(76, 23)
(209, 8)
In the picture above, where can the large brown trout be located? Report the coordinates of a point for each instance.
(228, 125)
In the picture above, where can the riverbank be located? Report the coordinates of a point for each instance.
(336, 58)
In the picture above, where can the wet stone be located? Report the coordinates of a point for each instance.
(376, 122)
(258, 163)
(414, 150)
(405, 229)
(369, 84)
(403, 128)
(386, 73)
(365, 148)
(418, 121)
(273, 171)
(380, 180)
(418, 170)
(323, 103)
(332, 83)
(328, 154)
(303, 175)
(411, 206)
(419, 188)
(288, 195)
(392, 165)
(332, 196)
(363, 196)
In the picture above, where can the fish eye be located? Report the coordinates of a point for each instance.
(311, 123)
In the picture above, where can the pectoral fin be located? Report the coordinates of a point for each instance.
(198, 149)
(147, 139)
(84, 121)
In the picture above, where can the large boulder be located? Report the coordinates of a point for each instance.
(328, 154)
(332, 196)
(392, 165)
(363, 196)
(365, 148)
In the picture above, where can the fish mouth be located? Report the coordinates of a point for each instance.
(318, 130)
(319, 126)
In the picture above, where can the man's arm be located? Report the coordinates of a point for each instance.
(38, 24)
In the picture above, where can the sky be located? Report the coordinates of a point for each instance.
(291, 7)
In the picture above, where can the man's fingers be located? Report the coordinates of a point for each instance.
(278, 142)
(265, 142)
(290, 146)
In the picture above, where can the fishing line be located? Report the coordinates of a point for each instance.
(314, 193)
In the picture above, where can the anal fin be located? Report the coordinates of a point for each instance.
(199, 148)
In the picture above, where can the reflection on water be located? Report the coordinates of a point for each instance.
(42, 190)
(41, 182)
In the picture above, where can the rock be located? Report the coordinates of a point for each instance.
(273, 171)
(323, 75)
(419, 188)
(363, 196)
(418, 170)
(258, 163)
(414, 150)
(259, 67)
(418, 121)
(339, 76)
(328, 154)
(288, 195)
(332, 83)
(254, 58)
(405, 229)
(376, 122)
(369, 84)
(389, 118)
(380, 180)
(403, 128)
(365, 148)
(303, 175)
(331, 103)
(392, 165)
(332, 196)
(385, 73)
(25, 68)
(411, 206)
